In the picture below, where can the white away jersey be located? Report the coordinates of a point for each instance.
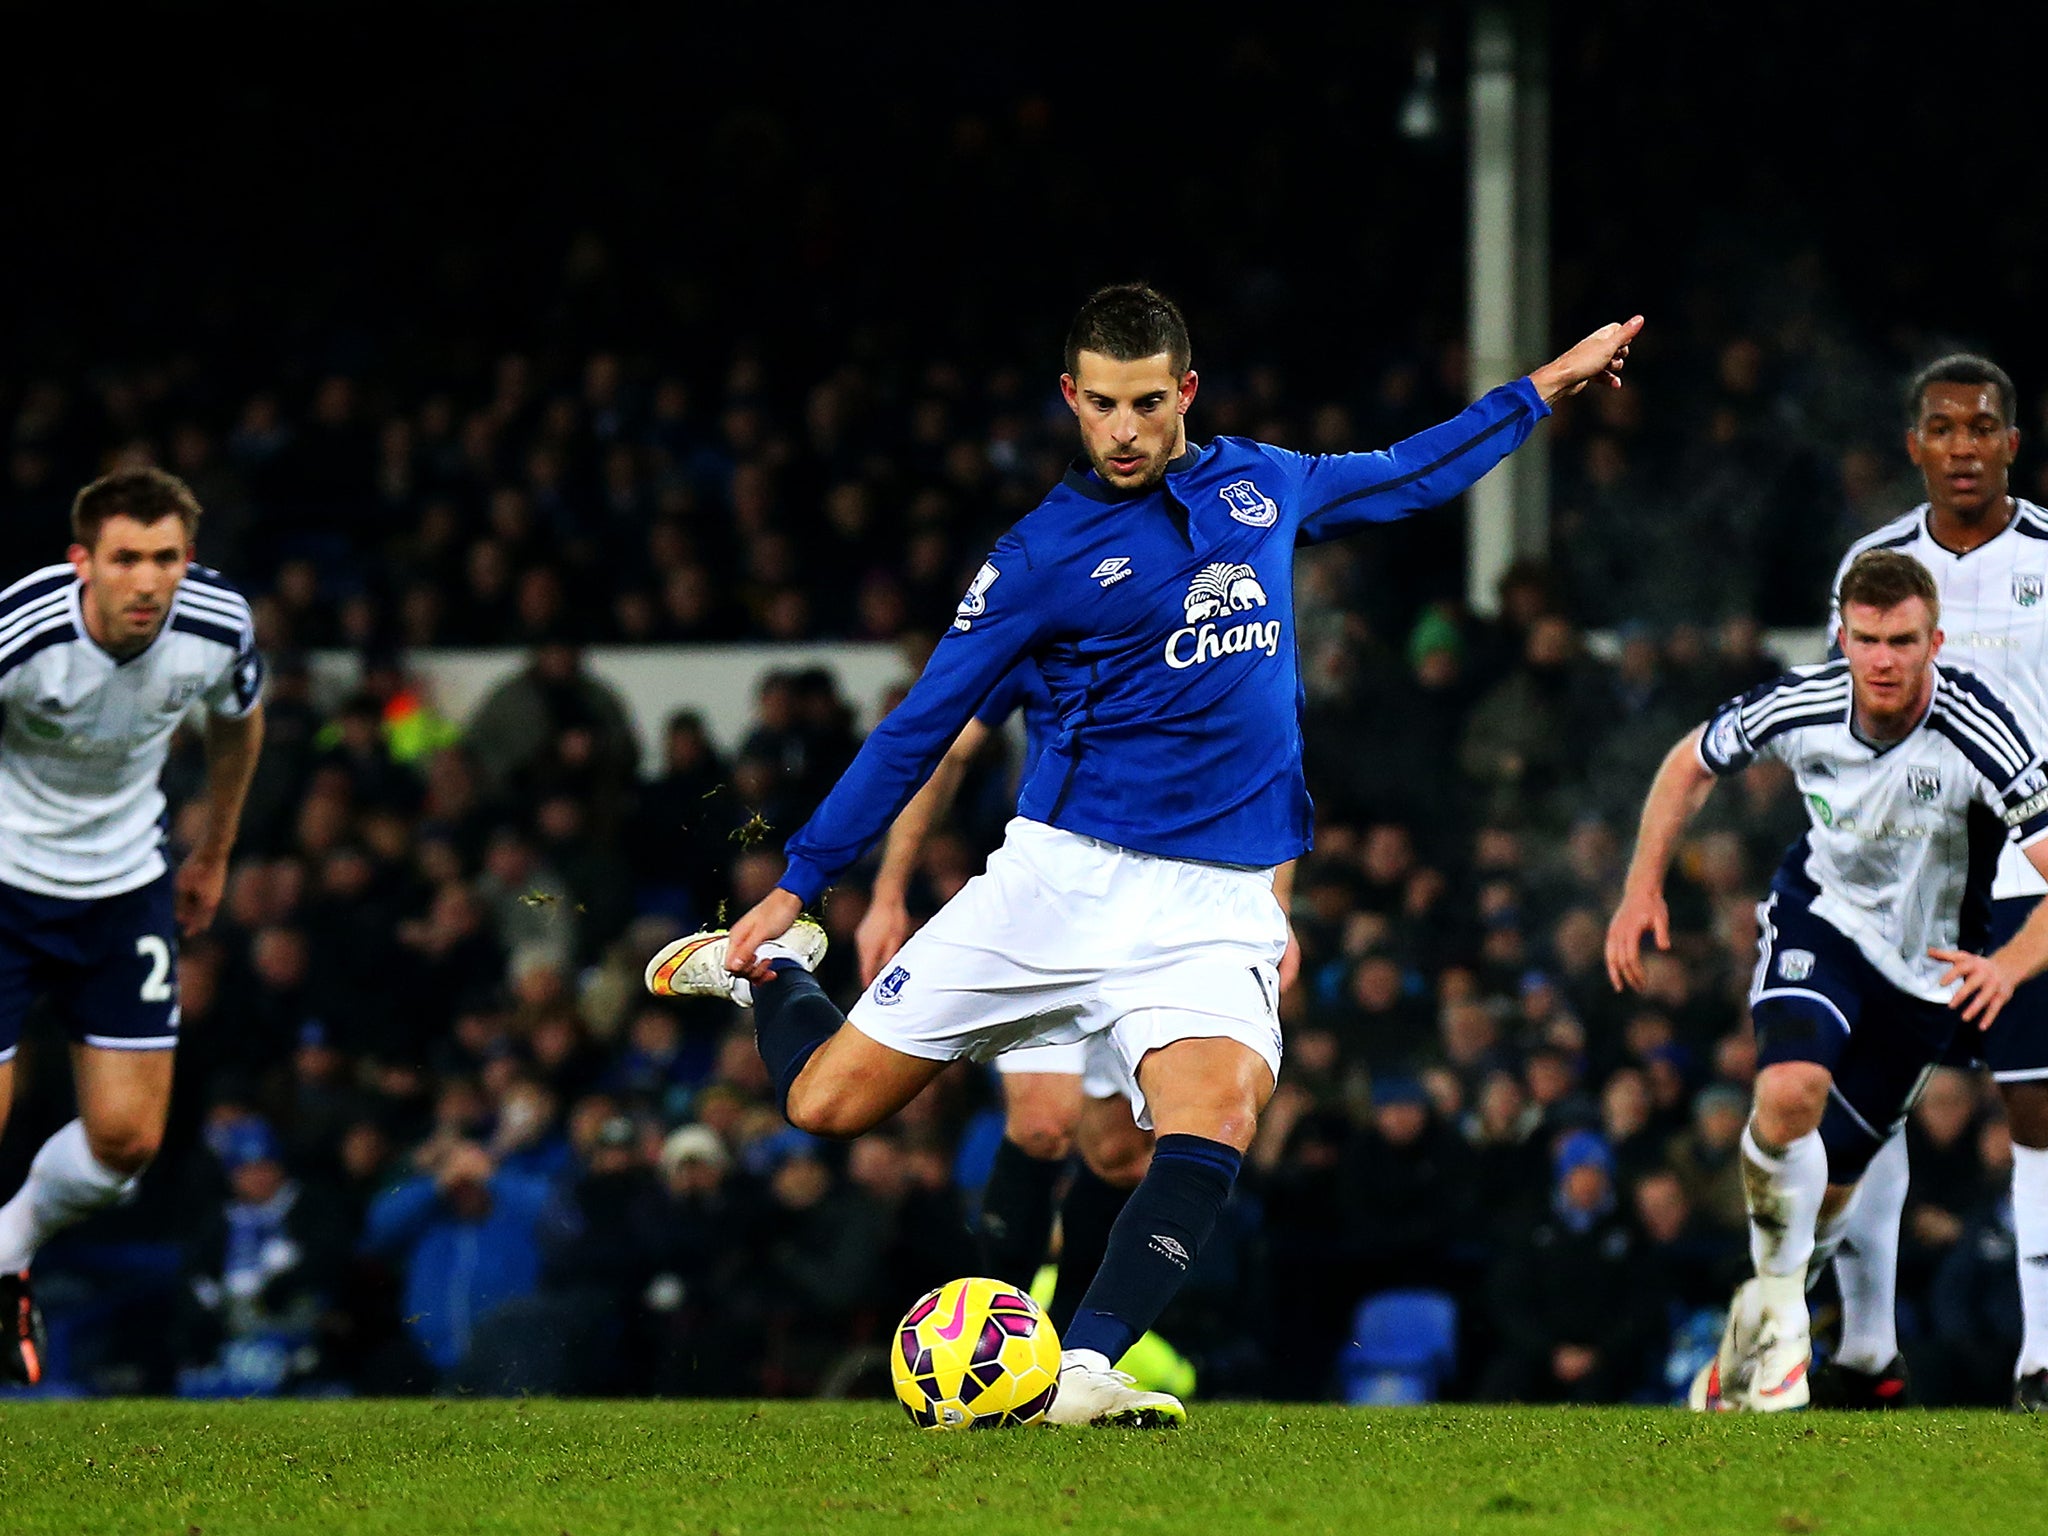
(1889, 846)
(83, 737)
(1995, 620)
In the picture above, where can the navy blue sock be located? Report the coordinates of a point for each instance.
(1087, 1216)
(1155, 1242)
(1016, 1213)
(792, 1018)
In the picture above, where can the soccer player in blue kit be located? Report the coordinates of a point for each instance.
(1057, 1099)
(1133, 893)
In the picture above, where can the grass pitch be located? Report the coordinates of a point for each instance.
(739, 1469)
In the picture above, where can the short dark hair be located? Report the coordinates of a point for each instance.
(1962, 368)
(1128, 321)
(147, 495)
(1885, 578)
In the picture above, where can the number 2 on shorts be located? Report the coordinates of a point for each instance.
(156, 986)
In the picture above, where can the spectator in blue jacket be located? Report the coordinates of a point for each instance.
(464, 1233)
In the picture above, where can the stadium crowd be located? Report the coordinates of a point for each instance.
(429, 1134)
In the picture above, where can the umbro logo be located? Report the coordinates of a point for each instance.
(1161, 1243)
(1113, 570)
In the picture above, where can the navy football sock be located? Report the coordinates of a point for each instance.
(792, 1018)
(1016, 1213)
(1155, 1242)
(1089, 1211)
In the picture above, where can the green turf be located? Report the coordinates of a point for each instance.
(741, 1469)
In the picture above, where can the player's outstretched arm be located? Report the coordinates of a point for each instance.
(886, 924)
(1340, 493)
(1986, 983)
(1676, 795)
(1601, 355)
(233, 743)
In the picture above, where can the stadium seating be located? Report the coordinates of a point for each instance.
(1404, 1347)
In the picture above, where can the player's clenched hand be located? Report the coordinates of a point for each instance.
(1984, 984)
(196, 893)
(1601, 355)
(1639, 912)
(1290, 960)
(770, 919)
(880, 933)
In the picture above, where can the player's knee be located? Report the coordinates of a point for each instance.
(829, 1111)
(1049, 1138)
(1120, 1164)
(1790, 1098)
(126, 1148)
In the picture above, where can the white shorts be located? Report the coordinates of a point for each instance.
(1093, 1060)
(1064, 938)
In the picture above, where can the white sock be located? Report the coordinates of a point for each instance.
(65, 1184)
(1827, 1242)
(2030, 1237)
(1867, 1263)
(1784, 1195)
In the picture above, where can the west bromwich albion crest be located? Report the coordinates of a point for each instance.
(2026, 589)
(1795, 964)
(1925, 784)
(1248, 504)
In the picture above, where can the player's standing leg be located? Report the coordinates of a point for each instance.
(1867, 1370)
(92, 1161)
(1204, 1096)
(112, 962)
(2026, 1109)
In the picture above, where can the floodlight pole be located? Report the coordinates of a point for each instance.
(1507, 315)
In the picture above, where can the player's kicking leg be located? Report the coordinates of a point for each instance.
(829, 1078)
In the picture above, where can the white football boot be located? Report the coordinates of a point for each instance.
(1092, 1393)
(1718, 1386)
(695, 966)
(1777, 1374)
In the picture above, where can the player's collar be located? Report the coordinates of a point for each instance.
(1881, 748)
(1081, 477)
(2019, 512)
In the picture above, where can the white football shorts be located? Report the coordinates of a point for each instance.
(1093, 1060)
(1064, 938)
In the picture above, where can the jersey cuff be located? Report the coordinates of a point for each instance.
(803, 879)
(2024, 839)
(1527, 390)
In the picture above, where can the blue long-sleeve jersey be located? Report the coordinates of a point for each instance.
(1023, 688)
(1162, 625)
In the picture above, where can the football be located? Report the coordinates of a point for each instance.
(975, 1354)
